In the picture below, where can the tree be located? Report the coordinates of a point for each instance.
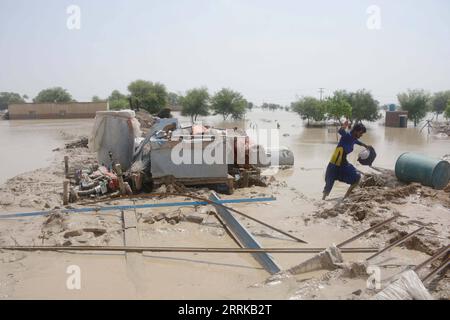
(148, 95)
(173, 99)
(195, 103)
(415, 102)
(309, 108)
(227, 102)
(118, 101)
(250, 105)
(364, 106)
(270, 106)
(53, 95)
(97, 99)
(440, 101)
(338, 107)
(7, 98)
(447, 111)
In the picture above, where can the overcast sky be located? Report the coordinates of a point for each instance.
(271, 51)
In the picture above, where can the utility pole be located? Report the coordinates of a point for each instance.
(321, 93)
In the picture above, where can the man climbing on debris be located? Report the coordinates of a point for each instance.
(339, 168)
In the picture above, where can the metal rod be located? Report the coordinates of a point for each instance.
(220, 204)
(396, 243)
(180, 249)
(429, 276)
(436, 256)
(152, 195)
(128, 207)
(379, 225)
(246, 216)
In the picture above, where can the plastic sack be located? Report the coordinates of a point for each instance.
(407, 287)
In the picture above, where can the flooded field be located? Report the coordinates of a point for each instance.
(28, 145)
(297, 210)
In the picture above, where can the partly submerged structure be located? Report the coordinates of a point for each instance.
(70, 110)
(191, 155)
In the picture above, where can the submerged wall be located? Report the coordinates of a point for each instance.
(72, 110)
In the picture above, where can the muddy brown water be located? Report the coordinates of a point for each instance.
(27, 145)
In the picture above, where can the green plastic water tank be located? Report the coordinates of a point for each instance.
(431, 172)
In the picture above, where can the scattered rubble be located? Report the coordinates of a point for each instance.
(328, 259)
(442, 129)
(80, 143)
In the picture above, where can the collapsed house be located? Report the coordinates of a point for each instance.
(169, 153)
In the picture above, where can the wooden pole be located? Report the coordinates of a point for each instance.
(66, 166)
(119, 173)
(66, 192)
(245, 178)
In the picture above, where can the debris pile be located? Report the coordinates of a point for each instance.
(132, 160)
(79, 143)
(377, 190)
(4, 115)
(441, 129)
(329, 259)
(92, 183)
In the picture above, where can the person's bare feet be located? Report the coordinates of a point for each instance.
(353, 186)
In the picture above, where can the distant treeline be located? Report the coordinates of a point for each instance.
(156, 99)
(361, 106)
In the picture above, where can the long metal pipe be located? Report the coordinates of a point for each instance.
(152, 195)
(436, 256)
(379, 225)
(235, 211)
(180, 249)
(129, 207)
(396, 243)
(429, 276)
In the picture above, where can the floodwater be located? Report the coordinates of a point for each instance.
(28, 145)
(313, 147)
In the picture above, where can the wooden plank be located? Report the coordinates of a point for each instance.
(129, 219)
(131, 235)
(135, 263)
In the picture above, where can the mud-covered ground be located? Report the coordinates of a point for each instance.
(214, 275)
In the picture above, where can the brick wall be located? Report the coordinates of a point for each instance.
(393, 118)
